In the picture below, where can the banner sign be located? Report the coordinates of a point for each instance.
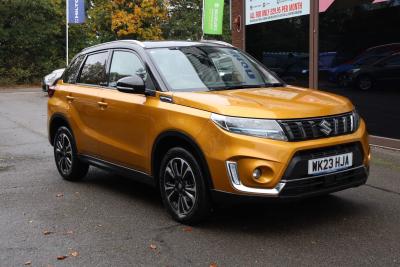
(213, 15)
(258, 11)
(76, 11)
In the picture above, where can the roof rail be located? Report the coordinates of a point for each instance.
(216, 42)
(135, 41)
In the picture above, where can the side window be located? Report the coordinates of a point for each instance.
(125, 64)
(72, 71)
(394, 61)
(94, 70)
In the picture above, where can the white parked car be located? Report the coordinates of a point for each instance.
(51, 79)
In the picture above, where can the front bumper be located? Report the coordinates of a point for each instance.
(300, 188)
(284, 174)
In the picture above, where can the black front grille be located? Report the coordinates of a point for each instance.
(315, 128)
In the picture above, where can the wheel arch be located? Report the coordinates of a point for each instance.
(56, 121)
(170, 139)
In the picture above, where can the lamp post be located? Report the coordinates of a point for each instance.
(314, 49)
(66, 31)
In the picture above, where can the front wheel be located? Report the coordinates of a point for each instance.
(182, 185)
(65, 154)
(342, 80)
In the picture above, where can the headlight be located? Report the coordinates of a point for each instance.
(356, 120)
(354, 70)
(254, 127)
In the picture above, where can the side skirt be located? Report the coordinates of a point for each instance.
(125, 171)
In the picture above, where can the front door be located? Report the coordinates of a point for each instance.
(392, 68)
(125, 117)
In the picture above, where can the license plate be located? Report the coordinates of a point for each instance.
(330, 164)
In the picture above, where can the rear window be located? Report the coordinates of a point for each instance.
(94, 70)
(71, 73)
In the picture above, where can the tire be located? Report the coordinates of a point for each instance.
(364, 82)
(183, 188)
(65, 155)
(342, 80)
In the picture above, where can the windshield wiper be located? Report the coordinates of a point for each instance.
(274, 85)
(233, 87)
(245, 86)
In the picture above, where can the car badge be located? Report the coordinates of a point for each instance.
(325, 127)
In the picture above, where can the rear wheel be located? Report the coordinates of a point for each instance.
(65, 154)
(183, 190)
(364, 82)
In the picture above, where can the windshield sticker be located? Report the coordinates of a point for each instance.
(243, 63)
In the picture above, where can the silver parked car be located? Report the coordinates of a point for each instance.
(51, 79)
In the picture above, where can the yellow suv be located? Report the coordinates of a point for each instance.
(204, 122)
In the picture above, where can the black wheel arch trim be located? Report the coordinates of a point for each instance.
(62, 117)
(192, 142)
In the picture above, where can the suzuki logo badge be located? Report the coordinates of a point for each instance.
(325, 127)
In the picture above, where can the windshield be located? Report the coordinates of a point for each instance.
(207, 68)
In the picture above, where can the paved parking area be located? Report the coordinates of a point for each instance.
(107, 220)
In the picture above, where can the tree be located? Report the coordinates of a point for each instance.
(97, 28)
(29, 35)
(138, 19)
(185, 21)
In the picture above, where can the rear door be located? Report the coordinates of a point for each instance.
(83, 101)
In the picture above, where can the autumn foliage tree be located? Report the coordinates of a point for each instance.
(32, 33)
(139, 19)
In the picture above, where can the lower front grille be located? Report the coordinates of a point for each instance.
(298, 166)
(325, 183)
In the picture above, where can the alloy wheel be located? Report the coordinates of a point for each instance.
(365, 83)
(64, 153)
(180, 186)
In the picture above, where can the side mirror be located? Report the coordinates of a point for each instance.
(131, 84)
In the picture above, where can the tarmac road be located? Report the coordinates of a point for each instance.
(113, 221)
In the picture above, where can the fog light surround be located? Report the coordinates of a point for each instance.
(233, 174)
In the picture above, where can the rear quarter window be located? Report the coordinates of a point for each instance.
(72, 71)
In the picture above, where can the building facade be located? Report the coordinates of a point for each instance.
(348, 47)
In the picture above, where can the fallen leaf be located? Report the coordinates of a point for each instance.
(74, 253)
(99, 225)
(152, 246)
(187, 229)
(46, 232)
(60, 195)
(70, 232)
(213, 265)
(60, 258)
(28, 263)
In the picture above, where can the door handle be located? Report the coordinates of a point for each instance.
(102, 104)
(70, 98)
